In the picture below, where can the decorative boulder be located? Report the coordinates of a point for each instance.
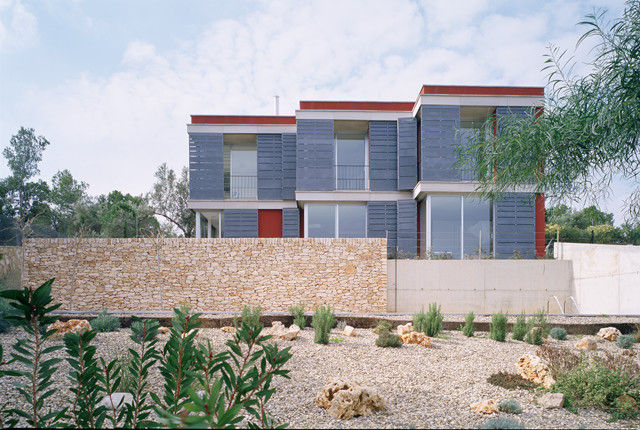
(404, 329)
(71, 326)
(228, 329)
(551, 400)
(416, 338)
(349, 331)
(534, 369)
(278, 331)
(117, 401)
(344, 400)
(609, 333)
(586, 344)
(163, 330)
(485, 407)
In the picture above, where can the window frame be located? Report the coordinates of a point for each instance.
(336, 215)
(366, 166)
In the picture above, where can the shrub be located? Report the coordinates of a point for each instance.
(559, 359)
(510, 381)
(322, 323)
(498, 329)
(429, 323)
(520, 328)
(501, 423)
(138, 325)
(298, 315)
(626, 341)
(558, 333)
(5, 325)
(105, 322)
(539, 320)
(386, 339)
(468, 328)
(534, 336)
(510, 406)
(382, 326)
(251, 315)
(340, 325)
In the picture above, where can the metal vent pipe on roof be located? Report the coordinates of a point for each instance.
(277, 105)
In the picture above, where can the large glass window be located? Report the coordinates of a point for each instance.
(352, 221)
(351, 161)
(336, 220)
(477, 227)
(446, 217)
(321, 220)
(243, 175)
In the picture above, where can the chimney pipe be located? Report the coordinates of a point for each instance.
(277, 105)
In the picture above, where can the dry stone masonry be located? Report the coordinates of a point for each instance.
(210, 274)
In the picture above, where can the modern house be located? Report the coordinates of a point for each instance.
(364, 169)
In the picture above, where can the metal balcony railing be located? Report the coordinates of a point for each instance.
(352, 177)
(240, 186)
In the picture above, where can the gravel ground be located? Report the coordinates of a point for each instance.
(421, 387)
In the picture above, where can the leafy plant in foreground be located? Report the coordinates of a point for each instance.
(322, 323)
(498, 330)
(468, 329)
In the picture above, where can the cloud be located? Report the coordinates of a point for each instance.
(18, 26)
(114, 130)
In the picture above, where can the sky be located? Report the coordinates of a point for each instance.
(111, 84)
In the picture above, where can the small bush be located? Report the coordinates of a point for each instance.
(534, 336)
(559, 359)
(251, 315)
(468, 328)
(558, 333)
(498, 329)
(510, 406)
(322, 323)
(138, 326)
(340, 325)
(298, 315)
(539, 320)
(510, 381)
(386, 339)
(501, 423)
(520, 328)
(626, 341)
(382, 326)
(429, 323)
(105, 322)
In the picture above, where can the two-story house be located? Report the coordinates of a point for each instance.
(363, 169)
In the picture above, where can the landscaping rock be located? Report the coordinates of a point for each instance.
(485, 407)
(586, 344)
(71, 326)
(278, 331)
(534, 369)
(628, 352)
(344, 400)
(163, 330)
(609, 333)
(404, 329)
(349, 331)
(117, 401)
(551, 400)
(228, 329)
(416, 338)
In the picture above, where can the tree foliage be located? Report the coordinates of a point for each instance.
(169, 197)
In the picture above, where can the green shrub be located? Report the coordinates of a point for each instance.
(510, 381)
(501, 423)
(535, 336)
(382, 326)
(510, 406)
(540, 320)
(105, 322)
(626, 341)
(558, 333)
(138, 326)
(429, 323)
(5, 324)
(297, 312)
(498, 329)
(322, 323)
(520, 328)
(468, 328)
(386, 339)
(251, 315)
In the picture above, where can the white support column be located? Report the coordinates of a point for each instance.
(198, 228)
(209, 228)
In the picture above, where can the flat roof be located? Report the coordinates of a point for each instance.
(356, 105)
(242, 119)
(474, 90)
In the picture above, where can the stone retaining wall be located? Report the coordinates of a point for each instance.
(211, 274)
(10, 262)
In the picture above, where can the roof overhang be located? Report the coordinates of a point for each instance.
(423, 188)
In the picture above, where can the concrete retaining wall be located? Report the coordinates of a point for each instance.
(483, 286)
(606, 277)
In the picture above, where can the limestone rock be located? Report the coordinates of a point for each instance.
(417, 338)
(344, 399)
(349, 331)
(485, 407)
(163, 330)
(228, 329)
(404, 329)
(609, 333)
(117, 401)
(586, 344)
(551, 400)
(71, 326)
(534, 369)
(278, 331)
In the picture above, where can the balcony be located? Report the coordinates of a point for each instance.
(240, 187)
(352, 177)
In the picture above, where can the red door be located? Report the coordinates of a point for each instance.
(269, 222)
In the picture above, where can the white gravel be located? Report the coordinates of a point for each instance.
(421, 387)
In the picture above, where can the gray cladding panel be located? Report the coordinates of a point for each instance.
(206, 179)
(515, 225)
(289, 166)
(438, 142)
(269, 166)
(383, 155)
(290, 222)
(315, 156)
(240, 223)
(407, 226)
(407, 153)
(382, 222)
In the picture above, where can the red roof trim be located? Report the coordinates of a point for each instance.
(481, 91)
(242, 119)
(375, 106)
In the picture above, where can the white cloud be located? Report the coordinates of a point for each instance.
(18, 26)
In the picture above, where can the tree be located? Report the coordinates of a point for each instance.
(65, 193)
(590, 129)
(169, 198)
(123, 215)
